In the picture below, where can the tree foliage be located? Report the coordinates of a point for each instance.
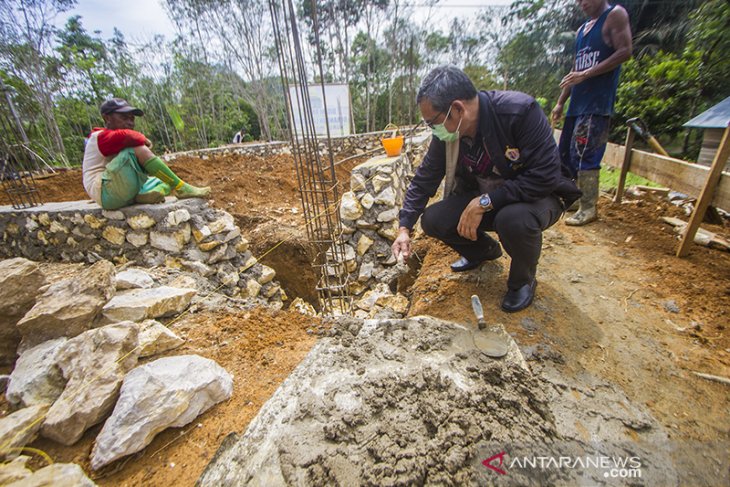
(220, 72)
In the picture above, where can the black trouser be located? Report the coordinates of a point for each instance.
(518, 225)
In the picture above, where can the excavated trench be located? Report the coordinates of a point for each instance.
(414, 404)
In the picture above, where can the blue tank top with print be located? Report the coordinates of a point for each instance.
(595, 95)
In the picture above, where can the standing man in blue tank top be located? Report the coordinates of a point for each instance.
(603, 43)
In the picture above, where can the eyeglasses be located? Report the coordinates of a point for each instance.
(430, 123)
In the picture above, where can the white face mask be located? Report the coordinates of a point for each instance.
(440, 132)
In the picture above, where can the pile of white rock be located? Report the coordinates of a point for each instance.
(79, 342)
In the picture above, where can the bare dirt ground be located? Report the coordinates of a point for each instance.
(612, 302)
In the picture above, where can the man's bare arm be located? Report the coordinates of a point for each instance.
(557, 112)
(619, 36)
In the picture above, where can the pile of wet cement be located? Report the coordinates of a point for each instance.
(392, 402)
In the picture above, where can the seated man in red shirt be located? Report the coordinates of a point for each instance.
(118, 162)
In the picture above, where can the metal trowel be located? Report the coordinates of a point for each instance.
(490, 343)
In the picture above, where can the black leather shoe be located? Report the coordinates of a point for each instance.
(464, 264)
(519, 299)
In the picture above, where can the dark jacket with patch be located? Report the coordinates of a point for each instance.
(522, 149)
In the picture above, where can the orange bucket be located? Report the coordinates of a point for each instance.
(393, 144)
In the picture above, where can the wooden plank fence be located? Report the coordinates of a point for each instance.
(676, 174)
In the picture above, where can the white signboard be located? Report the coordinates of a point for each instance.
(338, 108)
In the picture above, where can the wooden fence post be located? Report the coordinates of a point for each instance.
(718, 164)
(624, 166)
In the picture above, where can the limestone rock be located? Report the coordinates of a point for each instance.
(197, 267)
(386, 197)
(56, 475)
(389, 231)
(366, 225)
(236, 232)
(252, 288)
(224, 224)
(397, 303)
(271, 291)
(31, 225)
(267, 275)
(242, 246)
(57, 227)
(113, 214)
(367, 201)
(169, 392)
(36, 378)
(228, 278)
(208, 246)
(303, 307)
(171, 242)
(15, 470)
(219, 254)
(250, 262)
(140, 304)
(357, 288)
(68, 307)
(134, 279)
(350, 208)
(154, 338)
(20, 281)
(184, 282)
(201, 232)
(138, 239)
(366, 271)
(369, 299)
(92, 221)
(347, 230)
(380, 181)
(20, 428)
(388, 215)
(357, 182)
(141, 222)
(114, 235)
(94, 364)
(363, 245)
(174, 218)
(341, 253)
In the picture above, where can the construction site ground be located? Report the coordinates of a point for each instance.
(613, 303)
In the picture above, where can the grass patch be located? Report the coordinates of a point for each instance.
(609, 179)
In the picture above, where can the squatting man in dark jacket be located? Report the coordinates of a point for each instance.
(496, 154)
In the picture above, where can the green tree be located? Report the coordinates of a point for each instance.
(26, 41)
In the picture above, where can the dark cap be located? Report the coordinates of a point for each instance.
(118, 105)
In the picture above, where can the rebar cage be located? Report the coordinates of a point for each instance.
(318, 185)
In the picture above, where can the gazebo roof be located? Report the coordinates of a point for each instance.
(717, 117)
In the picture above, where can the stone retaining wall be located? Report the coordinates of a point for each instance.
(358, 144)
(184, 234)
(369, 215)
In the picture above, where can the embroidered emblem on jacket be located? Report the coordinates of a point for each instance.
(512, 153)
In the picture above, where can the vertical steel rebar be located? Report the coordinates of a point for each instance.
(318, 186)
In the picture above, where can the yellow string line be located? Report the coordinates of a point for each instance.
(174, 440)
(83, 386)
(87, 383)
(38, 452)
(5, 447)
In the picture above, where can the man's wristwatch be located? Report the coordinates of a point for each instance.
(485, 202)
